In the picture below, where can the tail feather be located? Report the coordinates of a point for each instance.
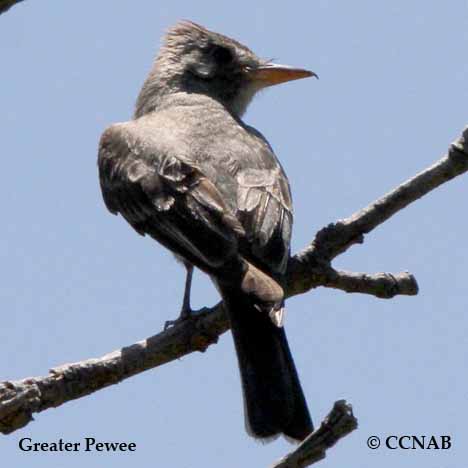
(273, 398)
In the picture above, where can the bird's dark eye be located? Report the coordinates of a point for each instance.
(222, 55)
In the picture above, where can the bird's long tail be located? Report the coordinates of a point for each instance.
(273, 398)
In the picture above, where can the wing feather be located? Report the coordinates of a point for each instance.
(164, 196)
(264, 206)
(158, 192)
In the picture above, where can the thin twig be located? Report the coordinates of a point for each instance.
(381, 285)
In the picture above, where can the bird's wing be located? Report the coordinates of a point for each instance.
(161, 195)
(265, 210)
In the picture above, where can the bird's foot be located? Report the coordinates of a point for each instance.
(185, 314)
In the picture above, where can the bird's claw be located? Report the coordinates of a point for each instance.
(170, 323)
(184, 315)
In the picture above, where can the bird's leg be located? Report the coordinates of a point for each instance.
(186, 309)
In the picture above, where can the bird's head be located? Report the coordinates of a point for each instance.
(196, 60)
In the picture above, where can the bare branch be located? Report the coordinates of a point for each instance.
(339, 423)
(309, 269)
(7, 4)
(305, 274)
(20, 399)
(382, 285)
(336, 238)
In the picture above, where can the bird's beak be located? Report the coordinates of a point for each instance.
(272, 74)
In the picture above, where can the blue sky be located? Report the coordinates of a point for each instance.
(78, 282)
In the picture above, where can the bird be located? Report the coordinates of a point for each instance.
(187, 171)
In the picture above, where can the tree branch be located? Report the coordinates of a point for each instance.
(304, 268)
(308, 269)
(381, 285)
(20, 399)
(339, 423)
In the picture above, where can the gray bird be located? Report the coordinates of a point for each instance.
(191, 174)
